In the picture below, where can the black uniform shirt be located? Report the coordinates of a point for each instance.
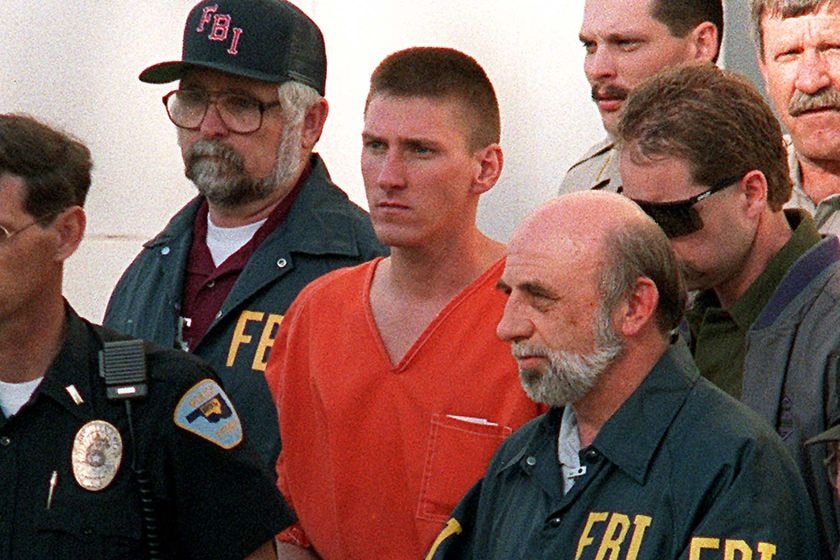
(211, 502)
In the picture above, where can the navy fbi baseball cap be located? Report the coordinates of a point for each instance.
(268, 40)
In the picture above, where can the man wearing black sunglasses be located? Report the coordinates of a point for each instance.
(217, 281)
(703, 154)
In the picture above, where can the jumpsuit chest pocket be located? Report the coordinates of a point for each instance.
(459, 450)
(92, 526)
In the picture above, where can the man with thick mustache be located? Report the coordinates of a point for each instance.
(268, 220)
(639, 457)
(627, 41)
(797, 55)
(703, 154)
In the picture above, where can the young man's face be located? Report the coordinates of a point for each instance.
(624, 45)
(801, 68)
(419, 170)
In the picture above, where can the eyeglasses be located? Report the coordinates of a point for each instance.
(679, 218)
(241, 114)
(6, 235)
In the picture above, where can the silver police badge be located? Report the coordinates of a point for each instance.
(96, 456)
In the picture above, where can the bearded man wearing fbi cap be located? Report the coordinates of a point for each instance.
(248, 110)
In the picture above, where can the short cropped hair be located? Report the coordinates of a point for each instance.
(714, 120)
(782, 9)
(641, 249)
(681, 16)
(442, 73)
(55, 167)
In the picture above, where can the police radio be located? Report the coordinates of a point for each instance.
(122, 364)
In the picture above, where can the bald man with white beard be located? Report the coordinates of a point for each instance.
(655, 461)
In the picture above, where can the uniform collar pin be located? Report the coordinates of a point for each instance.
(74, 394)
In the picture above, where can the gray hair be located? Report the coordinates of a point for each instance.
(295, 98)
(641, 249)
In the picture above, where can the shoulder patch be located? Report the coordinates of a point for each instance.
(206, 411)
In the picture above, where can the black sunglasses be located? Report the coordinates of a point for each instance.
(679, 217)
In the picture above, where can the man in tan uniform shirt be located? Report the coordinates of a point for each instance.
(627, 41)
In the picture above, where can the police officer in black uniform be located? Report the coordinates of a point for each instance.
(109, 448)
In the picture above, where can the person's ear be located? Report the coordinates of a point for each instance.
(754, 187)
(705, 40)
(638, 309)
(313, 123)
(490, 161)
(69, 227)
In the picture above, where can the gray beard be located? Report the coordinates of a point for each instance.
(218, 171)
(570, 375)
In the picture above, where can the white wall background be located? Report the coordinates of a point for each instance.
(74, 64)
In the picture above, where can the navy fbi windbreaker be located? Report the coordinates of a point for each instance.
(323, 231)
(681, 471)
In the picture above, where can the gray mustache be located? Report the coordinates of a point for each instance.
(803, 102)
(210, 148)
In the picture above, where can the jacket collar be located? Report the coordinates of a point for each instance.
(72, 368)
(304, 229)
(632, 436)
(597, 149)
(804, 271)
